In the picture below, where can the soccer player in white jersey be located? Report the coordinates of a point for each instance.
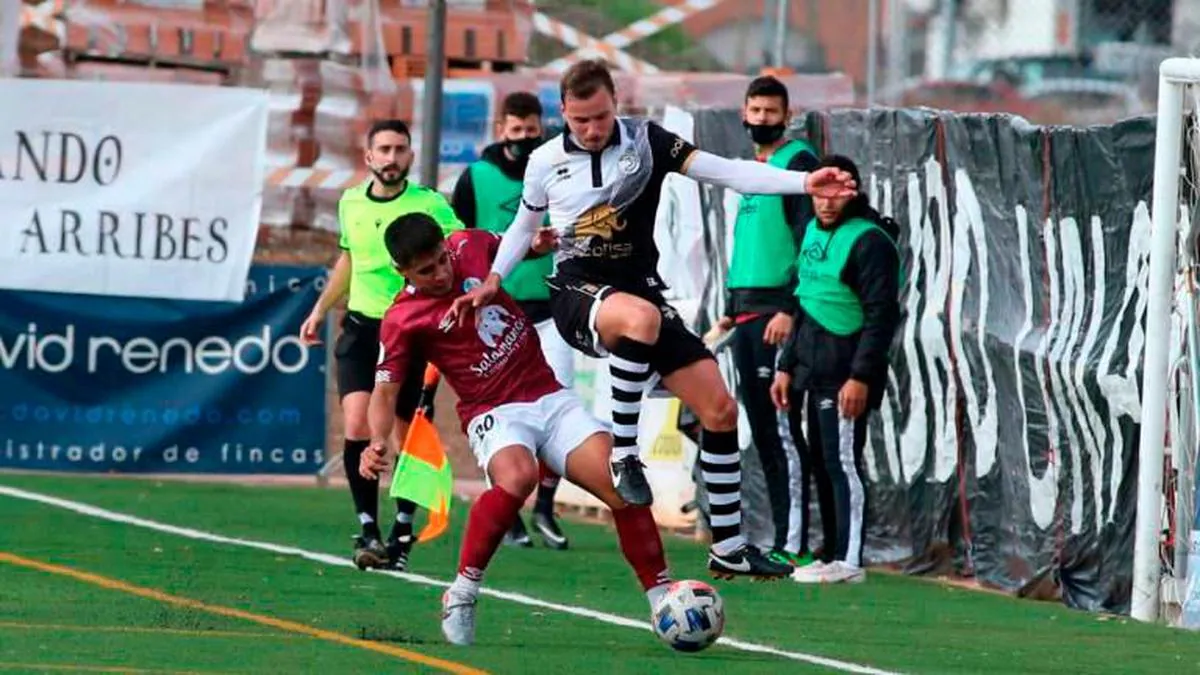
(513, 410)
(600, 182)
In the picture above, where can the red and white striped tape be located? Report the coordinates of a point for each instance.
(638, 30)
(45, 17)
(317, 179)
(573, 37)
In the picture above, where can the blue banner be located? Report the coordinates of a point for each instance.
(131, 385)
(466, 121)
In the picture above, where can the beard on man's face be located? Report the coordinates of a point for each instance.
(391, 174)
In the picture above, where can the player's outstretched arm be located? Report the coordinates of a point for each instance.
(758, 178)
(381, 417)
(516, 242)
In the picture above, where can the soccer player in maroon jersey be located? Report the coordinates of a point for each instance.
(512, 408)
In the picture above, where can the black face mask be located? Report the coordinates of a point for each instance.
(521, 149)
(765, 134)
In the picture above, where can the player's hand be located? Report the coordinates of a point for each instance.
(781, 390)
(723, 326)
(310, 330)
(852, 399)
(472, 299)
(373, 460)
(830, 182)
(545, 241)
(778, 328)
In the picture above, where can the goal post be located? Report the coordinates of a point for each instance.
(1175, 76)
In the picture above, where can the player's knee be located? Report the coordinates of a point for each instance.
(515, 474)
(354, 415)
(357, 429)
(720, 415)
(630, 317)
(519, 484)
(643, 322)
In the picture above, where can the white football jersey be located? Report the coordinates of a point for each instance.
(603, 204)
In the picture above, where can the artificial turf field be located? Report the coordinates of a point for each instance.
(239, 579)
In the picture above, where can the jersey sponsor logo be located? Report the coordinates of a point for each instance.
(502, 332)
(599, 221)
(677, 147)
(491, 322)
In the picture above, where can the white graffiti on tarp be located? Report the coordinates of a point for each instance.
(930, 371)
(891, 451)
(948, 257)
(1062, 330)
(968, 223)
(1093, 427)
(1121, 390)
(1043, 490)
(1075, 363)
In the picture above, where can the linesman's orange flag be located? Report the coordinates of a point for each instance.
(423, 472)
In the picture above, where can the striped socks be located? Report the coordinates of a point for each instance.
(629, 364)
(720, 464)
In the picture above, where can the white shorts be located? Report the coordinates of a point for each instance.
(559, 354)
(550, 428)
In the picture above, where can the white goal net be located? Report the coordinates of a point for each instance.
(1167, 557)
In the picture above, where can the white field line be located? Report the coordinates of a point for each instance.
(336, 561)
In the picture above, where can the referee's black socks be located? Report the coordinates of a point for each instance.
(365, 492)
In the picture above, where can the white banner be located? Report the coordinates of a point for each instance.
(130, 189)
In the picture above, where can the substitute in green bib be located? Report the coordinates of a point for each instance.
(760, 305)
(834, 366)
(364, 272)
(487, 196)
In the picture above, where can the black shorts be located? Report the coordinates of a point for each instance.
(357, 354)
(574, 303)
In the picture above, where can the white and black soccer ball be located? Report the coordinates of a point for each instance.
(690, 616)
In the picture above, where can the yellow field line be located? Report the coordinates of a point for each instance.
(192, 632)
(281, 624)
(76, 667)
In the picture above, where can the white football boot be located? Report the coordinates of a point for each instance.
(458, 617)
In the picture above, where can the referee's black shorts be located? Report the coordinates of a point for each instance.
(357, 354)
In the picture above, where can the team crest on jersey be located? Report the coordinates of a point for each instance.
(470, 284)
(628, 162)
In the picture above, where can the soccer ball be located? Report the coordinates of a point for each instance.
(690, 616)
